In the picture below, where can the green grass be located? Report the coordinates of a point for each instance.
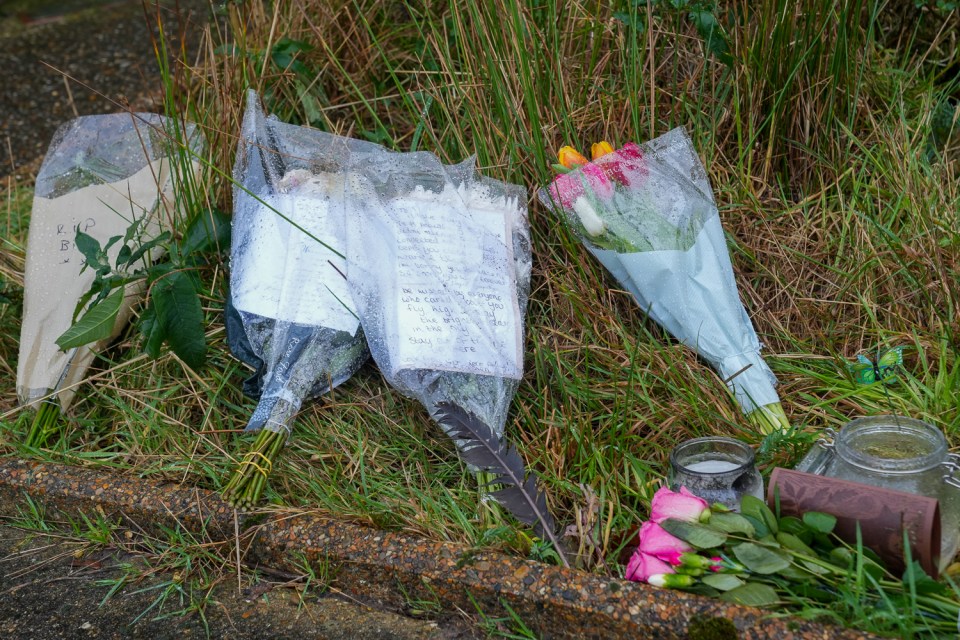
(844, 233)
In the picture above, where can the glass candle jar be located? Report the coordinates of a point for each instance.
(899, 453)
(715, 469)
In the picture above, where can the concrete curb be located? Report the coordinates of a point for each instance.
(394, 568)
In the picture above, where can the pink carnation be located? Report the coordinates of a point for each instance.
(655, 541)
(679, 506)
(587, 179)
(642, 566)
(625, 165)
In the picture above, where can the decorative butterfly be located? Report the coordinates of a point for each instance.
(865, 371)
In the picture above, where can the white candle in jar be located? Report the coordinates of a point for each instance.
(712, 466)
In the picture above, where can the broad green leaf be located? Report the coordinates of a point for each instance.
(792, 524)
(703, 590)
(112, 241)
(87, 245)
(713, 37)
(732, 523)
(760, 559)
(752, 594)
(921, 582)
(123, 256)
(842, 557)
(796, 575)
(209, 230)
(146, 247)
(151, 332)
(821, 522)
(180, 317)
(760, 529)
(873, 569)
(723, 581)
(95, 324)
(755, 508)
(698, 535)
(795, 544)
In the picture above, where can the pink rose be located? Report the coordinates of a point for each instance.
(625, 165)
(680, 506)
(642, 566)
(588, 179)
(655, 541)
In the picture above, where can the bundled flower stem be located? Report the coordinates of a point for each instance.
(45, 423)
(287, 315)
(246, 485)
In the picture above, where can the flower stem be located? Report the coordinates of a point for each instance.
(246, 485)
(45, 423)
(769, 418)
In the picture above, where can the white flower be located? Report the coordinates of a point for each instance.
(592, 222)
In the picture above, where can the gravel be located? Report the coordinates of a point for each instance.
(105, 47)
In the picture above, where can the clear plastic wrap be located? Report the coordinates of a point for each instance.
(289, 312)
(101, 175)
(647, 213)
(439, 266)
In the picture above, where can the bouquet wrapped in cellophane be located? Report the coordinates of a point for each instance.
(647, 213)
(289, 314)
(108, 182)
(438, 262)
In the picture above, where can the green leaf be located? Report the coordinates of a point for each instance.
(179, 318)
(814, 592)
(796, 575)
(698, 535)
(760, 529)
(795, 544)
(760, 559)
(752, 594)
(96, 324)
(209, 230)
(123, 256)
(922, 583)
(732, 523)
(112, 241)
(723, 581)
(703, 590)
(147, 246)
(820, 522)
(792, 524)
(87, 245)
(842, 557)
(714, 40)
(152, 333)
(755, 508)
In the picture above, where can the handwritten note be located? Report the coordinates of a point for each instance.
(455, 305)
(288, 273)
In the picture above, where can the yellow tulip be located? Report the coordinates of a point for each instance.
(600, 149)
(570, 157)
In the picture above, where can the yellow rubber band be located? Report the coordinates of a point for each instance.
(250, 463)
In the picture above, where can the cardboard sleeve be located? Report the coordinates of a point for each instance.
(883, 515)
